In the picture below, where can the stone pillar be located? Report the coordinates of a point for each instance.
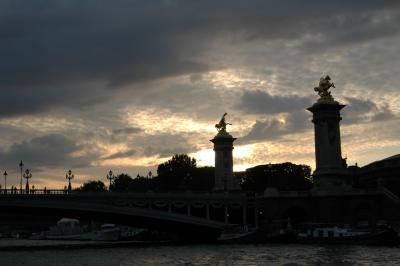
(224, 178)
(331, 168)
(226, 215)
(256, 216)
(244, 214)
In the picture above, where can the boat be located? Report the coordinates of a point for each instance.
(107, 232)
(70, 229)
(239, 234)
(335, 234)
(318, 233)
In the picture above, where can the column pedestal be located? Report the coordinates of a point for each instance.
(331, 168)
(224, 178)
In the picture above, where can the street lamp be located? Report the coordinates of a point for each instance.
(5, 182)
(27, 175)
(21, 166)
(110, 176)
(69, 176)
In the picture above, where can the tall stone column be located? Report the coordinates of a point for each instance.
(331, 168)
(223, 146)
(224, 177)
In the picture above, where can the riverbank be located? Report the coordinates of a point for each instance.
(24, 244)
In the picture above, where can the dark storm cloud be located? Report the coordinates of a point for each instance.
(180, 97)
(165, 145)
(53, 53)
(273, 128)
(259, 102)
(11, 133)
(51, 150)
(298, 120)
(15, 101)
(364, 110)
(126, 131)
(122, 154)
(384, 114)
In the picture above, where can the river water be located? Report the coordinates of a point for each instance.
(205, 255)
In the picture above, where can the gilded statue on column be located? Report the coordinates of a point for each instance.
(221, 126)
(323, 89)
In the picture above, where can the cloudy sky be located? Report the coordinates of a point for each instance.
(123, 85)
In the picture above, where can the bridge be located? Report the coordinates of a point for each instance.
(200, 214)
(203, 215)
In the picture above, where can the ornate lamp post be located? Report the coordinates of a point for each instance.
(5, 182)
(21, 166)
(27, 175)
(69, 176)
(110, 176)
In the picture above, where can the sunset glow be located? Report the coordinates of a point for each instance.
(135, 99)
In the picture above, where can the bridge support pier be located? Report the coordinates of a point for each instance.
(226, 215)
(256, 216)
(244, 214)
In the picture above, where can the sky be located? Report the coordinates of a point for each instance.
(124, 85)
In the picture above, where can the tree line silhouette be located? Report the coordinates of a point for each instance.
(180, 173)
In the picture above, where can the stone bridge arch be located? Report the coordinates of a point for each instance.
(58, 207)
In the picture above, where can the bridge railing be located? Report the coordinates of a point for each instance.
(148, 193)
(35, 192)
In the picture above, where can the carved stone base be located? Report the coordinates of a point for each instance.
(224, 177)
(341, 180)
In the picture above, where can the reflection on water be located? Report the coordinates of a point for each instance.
(207, 255)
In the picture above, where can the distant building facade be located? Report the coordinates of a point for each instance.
(384, 172)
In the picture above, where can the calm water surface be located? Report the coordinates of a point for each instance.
(207, 255)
